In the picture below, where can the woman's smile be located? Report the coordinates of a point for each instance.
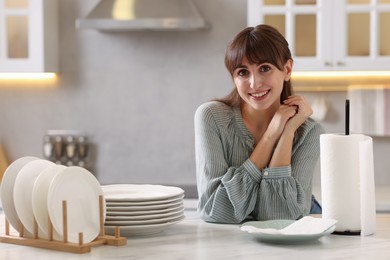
(259, 95)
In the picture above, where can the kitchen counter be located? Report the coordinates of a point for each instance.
(194, 239)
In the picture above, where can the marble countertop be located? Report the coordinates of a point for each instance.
(194, 239)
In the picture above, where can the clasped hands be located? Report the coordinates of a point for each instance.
(294, 111)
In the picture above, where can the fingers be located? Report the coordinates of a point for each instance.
(288, 110)
(304, 107)
(295, 100)
(280, 119)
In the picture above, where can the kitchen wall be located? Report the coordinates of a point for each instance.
(135, 95)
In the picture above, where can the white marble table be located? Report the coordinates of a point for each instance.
(194, 239)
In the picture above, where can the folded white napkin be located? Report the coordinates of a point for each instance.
(305, 226)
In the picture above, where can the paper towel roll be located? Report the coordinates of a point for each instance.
(347, 182)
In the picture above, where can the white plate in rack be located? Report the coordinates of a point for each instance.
(139, 192)
(23, 190)
(81, 190)
(7, 189)
(39, 198)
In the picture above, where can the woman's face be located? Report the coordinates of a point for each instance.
(260, 85)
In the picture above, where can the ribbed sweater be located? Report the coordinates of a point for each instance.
(231, 188)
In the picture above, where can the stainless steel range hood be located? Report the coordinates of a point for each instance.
(138, 15)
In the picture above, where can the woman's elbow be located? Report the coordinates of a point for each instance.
(224, 218)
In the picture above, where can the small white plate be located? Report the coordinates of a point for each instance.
(139, 192)
(39, 198)
(283, 238)
(142, 230)
(7, 189)
(23, 189)
(80, 189)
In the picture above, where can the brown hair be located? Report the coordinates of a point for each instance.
(259, 44)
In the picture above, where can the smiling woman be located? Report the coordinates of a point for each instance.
(256, 148)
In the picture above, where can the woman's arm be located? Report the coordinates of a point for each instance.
(226, 194)
(285, 193)
(295, 191)
(273, 145)
(283, 149)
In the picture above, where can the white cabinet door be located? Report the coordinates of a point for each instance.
(329, 34)
(28, 36)
(361, 39)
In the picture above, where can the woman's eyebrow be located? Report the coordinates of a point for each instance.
(240, 66)
(262, 62)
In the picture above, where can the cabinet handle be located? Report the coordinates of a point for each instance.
(328, 63)
(340, 63)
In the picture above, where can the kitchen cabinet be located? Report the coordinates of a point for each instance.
(28, 36)
(327, 35)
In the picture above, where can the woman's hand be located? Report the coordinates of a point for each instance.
(283, 150)
(280, 119)
(303, 112)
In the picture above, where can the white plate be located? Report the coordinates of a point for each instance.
(39, 198)
(80, 189)
(145, 208)
(283, 238)
(142, 230)
(139, 192)
(143, 222)
(134, 219)
(7, 189)
(144, 213)
(23, 188)
(143, 203)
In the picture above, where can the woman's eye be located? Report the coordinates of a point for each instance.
(265, 68)
(242, 73)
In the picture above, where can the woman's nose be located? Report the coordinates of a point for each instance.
(256, 81)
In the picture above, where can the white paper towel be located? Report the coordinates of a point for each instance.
(347, 182)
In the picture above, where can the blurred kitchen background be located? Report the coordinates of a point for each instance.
(133, 94)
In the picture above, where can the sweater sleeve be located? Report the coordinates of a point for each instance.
(226, 194)
(289, 197)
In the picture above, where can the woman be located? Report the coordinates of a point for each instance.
(256, 149)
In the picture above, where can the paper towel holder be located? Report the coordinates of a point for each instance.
(347, 117)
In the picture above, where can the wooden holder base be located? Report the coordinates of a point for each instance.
(64, 245)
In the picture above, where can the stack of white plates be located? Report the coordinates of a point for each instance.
(34, 189)
(142, 209)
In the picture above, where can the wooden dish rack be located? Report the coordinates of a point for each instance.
(63, 245)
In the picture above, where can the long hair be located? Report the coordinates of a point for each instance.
(262, 43)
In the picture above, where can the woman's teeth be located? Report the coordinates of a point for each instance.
(259, 94)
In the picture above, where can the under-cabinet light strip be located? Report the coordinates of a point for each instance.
(313, 74)
(27, 76)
